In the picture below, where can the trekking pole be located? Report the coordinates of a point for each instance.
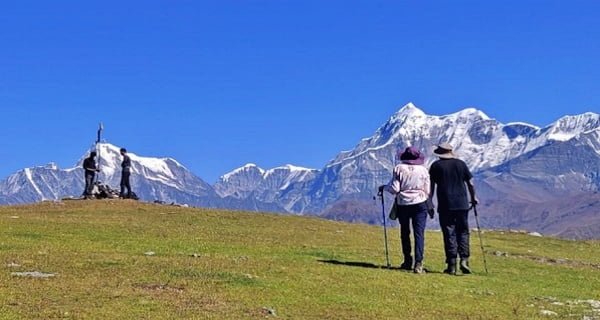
(387, 256)
(480, 239)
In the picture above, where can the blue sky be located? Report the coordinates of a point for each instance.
(217, 84)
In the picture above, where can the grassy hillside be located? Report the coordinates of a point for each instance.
(212, 264)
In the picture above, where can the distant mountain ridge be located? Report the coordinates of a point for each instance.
(521, 170)
(519, 167)
(270, 186)
(153, 178)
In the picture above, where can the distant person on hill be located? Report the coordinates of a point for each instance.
(453, 180)
(125, 174)
(89, 166)
(410, 185)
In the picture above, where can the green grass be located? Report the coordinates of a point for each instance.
(212, 264)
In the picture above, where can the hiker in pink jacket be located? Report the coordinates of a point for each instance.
(411, 186)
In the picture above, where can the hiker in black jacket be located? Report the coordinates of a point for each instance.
(89, 165)
(125, 173)
(453, 179)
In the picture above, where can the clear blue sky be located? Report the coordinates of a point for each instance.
(216, 84)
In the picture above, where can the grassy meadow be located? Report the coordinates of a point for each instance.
(128, 260)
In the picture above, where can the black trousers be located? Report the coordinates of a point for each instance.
(417, 216)
(455, 227)
(125, 184)
(89, 184)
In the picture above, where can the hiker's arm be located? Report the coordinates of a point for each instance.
(431, 188)
(393, 186)
(471, 187)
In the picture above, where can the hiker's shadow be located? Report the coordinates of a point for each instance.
(368, 265)
(358, 264)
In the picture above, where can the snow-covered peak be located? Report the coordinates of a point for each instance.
(250, 178)
(292, 168)
(153, 179)
(251, 168)
(481, 141)
(243, 169)
(569, 126)
(408, 111)
(164, 170)
(471, 113)
(522, 124)
(288, 169)
(51, 166)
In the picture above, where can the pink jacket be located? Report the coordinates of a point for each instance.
(410, 184)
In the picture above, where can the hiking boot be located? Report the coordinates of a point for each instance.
(419, 268)
(407, 264)
(464, 266)
(451, 269)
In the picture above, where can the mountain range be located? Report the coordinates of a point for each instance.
(543, 179)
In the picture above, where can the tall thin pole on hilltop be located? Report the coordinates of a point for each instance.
(98, 140)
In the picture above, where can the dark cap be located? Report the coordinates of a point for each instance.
(412, 155)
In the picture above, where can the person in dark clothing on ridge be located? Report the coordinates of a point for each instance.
(453, 180)
(125, 174)
(89, 165)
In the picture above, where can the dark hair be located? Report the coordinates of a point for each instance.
(123, 150)
(93, 154)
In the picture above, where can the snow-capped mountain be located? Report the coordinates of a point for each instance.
(41, 183)
(543, 179)
(152, 179)
(269, 186)
(483, 143)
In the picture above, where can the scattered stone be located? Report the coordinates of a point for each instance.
(241, 259)
(500, 254)
(13, 265)
(34, 274)
(150, 253)
(548, 313)
(485, 292)
(517, 231)
(558, 303)
(562, 261)
(159, 287)
(195, 255)
(535, 234)
(593, 303)
(249, 276)
(269, 311)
